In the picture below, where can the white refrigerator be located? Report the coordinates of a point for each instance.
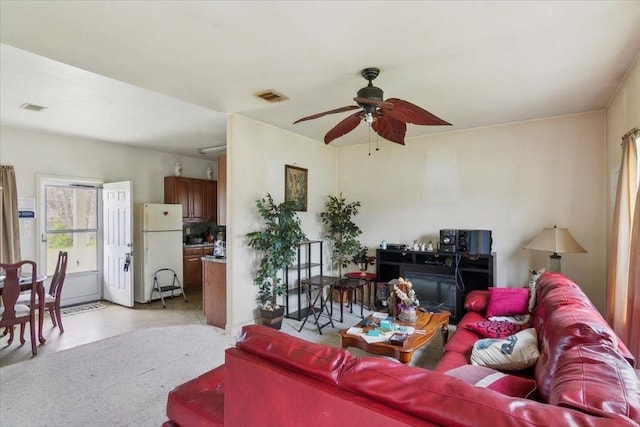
(158, 245)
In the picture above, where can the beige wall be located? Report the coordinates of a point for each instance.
(513, 179)
(35, 153)
(256, 155)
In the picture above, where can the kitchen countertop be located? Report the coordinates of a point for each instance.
(209, 258)
(198, 245)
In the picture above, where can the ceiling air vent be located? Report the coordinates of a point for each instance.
(271, 96)
(32, 107)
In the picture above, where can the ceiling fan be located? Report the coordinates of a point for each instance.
(387, 118)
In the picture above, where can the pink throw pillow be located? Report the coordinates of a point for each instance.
(480, 376)
(508, 301)
(497, 329)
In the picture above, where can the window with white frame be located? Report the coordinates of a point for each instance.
(71, 224)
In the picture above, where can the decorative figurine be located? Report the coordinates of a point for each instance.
(430, 246)
(177, 169)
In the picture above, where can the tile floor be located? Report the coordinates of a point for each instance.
(107, 322)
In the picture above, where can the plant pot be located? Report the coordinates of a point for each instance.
(272, 318)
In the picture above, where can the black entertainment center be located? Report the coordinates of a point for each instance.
(438, 277)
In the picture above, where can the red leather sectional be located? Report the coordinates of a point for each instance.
(274, 379)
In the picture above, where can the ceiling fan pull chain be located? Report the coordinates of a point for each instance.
(377, 143)
(370, 139)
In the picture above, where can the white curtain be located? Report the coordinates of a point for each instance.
(623, 284)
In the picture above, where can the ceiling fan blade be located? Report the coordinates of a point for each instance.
(407, 112)
(344, 127)
(390, 129)
(337, 110)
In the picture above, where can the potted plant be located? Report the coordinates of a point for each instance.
(362, 259)
(341, 230)
(277, 242)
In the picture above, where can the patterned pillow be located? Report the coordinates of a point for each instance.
(508, 301)
(480, 376)
(519, 319)
(517, 352)
(491, 329)
(533, 277)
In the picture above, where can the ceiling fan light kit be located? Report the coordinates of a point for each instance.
(387, 118)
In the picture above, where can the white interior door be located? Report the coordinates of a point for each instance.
(117, 210)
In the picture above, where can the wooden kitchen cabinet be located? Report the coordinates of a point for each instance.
(211, 201)
(214, 293)
(193, 194)
(222, 190)
(192, 266)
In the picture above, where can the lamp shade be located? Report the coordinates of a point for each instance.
(556, 240)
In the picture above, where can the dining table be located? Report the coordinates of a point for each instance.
(25, 285)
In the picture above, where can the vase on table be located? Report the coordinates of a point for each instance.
(407, 313)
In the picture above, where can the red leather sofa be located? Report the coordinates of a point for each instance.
(274, 379)
(582, 364)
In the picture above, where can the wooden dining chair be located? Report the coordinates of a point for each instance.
(52, 299)
(12, 313)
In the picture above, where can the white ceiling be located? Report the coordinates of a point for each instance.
(164, 75)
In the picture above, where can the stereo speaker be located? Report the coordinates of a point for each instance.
(480, 241)
(448, 240)
(462, 242)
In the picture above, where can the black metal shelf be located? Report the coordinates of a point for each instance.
(309, 264)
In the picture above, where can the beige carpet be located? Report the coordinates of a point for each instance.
(124, 380)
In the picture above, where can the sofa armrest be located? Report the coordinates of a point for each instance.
(199, 401)
(477, 301)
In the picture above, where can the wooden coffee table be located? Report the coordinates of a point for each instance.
(428, 323)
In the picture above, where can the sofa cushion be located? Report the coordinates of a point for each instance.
(484, 377)
(490, 329)
(316, 360)
(508, 301)
(463, 339)
(513, 353)
(520, 319)
(597, 380)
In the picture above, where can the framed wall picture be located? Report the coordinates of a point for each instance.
(295, 186)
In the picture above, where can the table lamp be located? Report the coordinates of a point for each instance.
(558, 241)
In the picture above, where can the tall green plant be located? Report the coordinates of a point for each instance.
(341, 230)
(278, 243)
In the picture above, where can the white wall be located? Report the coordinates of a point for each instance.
(256, 156)
(513, 179)
(35, 153)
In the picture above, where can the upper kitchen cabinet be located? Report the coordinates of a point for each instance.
(195, 196)
(211, 201)
(222, 190)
